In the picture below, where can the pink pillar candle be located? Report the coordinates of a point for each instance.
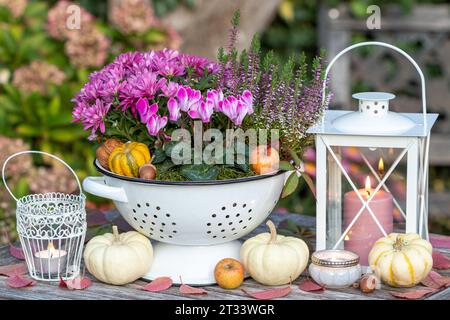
(365, 232)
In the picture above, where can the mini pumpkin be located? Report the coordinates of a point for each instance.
(118, 258)
(273, 259)
(128, 158)
(103, 152)
(401, 260)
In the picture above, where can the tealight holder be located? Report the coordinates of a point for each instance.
(51, 228)
(335, 268)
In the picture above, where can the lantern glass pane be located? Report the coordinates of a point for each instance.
(365, 167)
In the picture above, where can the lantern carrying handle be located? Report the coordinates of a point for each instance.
(36, 152)
(387, 45)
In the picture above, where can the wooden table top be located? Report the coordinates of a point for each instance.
(101, 291)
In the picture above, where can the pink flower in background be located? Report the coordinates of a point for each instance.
(170, 90)
(247, 99)
(94, 118)
(168, 68)
(188, 98)
(155, 124)
(234, 109)
(145, 110)
(216, 96)
(174, 109)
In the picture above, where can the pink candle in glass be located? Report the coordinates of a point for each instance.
(365, 232)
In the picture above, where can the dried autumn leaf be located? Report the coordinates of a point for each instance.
(13, 269)
(440, 241)
(412, 295)
(269, 294)
(310, 286)
(440, 261)
(16, 252)
(78, 283)
(18, 281)
(185, 289)
(430, 280)
(157, 285)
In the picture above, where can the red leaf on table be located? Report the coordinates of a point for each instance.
(440, 241)
(157, 285)
(78, 283)
(310, 286)
(185, 289)
(412, 295)
(440, 261)
(269, 294)
(18, 281)
(431, 280)
(16, 252)
(13, 269)
(96, 218)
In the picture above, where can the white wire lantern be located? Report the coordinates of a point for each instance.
(356, 219)
(51, 228)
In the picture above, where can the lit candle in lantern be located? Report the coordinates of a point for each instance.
(51, 260)
(381, 167)
(365, 232)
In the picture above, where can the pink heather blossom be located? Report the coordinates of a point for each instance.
(247, 99)
(234, 109)
(174, 109)
(216, 96)
(188, 98)
(145, 110)
(155, 124)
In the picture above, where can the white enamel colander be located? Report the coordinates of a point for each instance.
(195, 223)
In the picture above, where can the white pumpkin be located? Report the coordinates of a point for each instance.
(272, 259)
(401, 260)
(118, 258)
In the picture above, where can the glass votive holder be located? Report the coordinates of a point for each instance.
(335, 268)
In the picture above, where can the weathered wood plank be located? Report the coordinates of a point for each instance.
(101, 291)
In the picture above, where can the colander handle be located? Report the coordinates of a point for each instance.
(97, 186)
(35, 152)
(386, 45)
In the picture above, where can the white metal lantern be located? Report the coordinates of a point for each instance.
(356, 219)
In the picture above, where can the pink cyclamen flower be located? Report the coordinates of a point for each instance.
(234, 109)
(247, 99)
(145, 110)
(216, 96)
(205, 110)
(188, 98)
(155, 124)
(174, 109)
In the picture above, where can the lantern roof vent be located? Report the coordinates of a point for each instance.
(373, 116)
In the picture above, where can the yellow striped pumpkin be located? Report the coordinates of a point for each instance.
(128, 158)
(401, 260)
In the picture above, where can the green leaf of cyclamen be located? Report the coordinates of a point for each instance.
(291, 185)
(286, 166)
(197, 172)
(158, 156)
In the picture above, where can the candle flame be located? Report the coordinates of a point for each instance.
(368, 186)
(51, 248)
(381, 166)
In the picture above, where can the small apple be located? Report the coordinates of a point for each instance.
(264, 159)
(229, 273)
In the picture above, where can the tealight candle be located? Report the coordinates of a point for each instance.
(50, 261)
(365, 232)
(334, 268)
